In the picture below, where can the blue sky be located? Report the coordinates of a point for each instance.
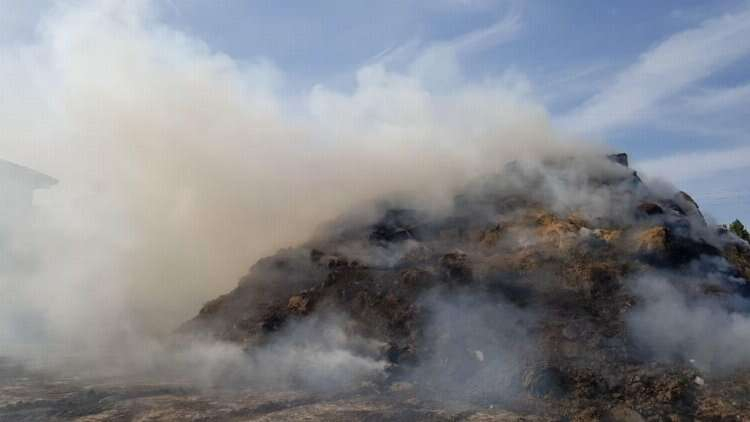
(666, 81)
(692, 101)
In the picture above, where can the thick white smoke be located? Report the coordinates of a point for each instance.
(179, 166)
(676, 320)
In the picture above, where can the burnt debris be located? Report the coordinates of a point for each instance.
(544, 255)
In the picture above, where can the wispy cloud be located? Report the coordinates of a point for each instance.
(397, 53)
(448, 5)
(436, 64)
(667, 69)
(713, 100)
(574, 84)
(719, 114)
(697, 165)
(503, 30)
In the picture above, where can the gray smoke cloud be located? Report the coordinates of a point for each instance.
(677, 321)
(320, 354)
(477, 347)
(179, 166)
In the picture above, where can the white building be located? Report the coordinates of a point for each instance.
(17, 186)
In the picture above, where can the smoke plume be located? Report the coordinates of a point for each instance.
(676, 321)
(180, 165)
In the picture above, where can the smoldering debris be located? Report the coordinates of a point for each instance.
(694, 318)
(520, 295)
(319, 354)
(474, 348)
(534, 285)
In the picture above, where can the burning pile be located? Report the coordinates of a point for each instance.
(561, 286)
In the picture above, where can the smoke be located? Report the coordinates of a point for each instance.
(694, 318)
(478, 346)
(180, 165)
(320, 353)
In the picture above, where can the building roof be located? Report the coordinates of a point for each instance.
(35, 180)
